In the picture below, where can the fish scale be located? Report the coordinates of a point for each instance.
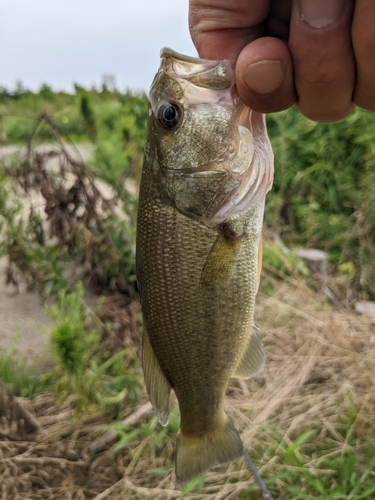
(197, 273)
(177, 305)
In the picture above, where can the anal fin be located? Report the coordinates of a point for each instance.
(252, 359)
(158, 387)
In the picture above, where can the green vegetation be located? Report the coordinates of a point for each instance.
(347, 476)
(23, 379)
(84, 369)
(308, 421)
(323, 194)
(324, 189)
(337, 479)
(281, 263)
(114, 121)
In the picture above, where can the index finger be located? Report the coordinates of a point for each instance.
(221, 29)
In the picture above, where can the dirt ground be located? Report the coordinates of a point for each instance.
(23, 322)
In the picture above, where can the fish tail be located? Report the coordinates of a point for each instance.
(195, 455)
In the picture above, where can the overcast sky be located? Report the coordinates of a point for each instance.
(60, 42)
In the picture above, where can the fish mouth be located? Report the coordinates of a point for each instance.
(206, 73)
(167, 52)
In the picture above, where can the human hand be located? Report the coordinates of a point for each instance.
(317, 54)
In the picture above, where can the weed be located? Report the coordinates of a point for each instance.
(82, 368)
(281, 263)
(22, 379)
(323, 194)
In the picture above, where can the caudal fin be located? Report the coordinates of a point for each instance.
(195, 455)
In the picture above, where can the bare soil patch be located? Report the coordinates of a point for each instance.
(23, 322)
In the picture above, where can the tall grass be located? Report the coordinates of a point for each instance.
(324, 194)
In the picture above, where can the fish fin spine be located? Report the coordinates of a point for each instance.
(195, 455)
(252, 359)
(157, 385)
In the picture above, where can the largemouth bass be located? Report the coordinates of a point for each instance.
(208, 165)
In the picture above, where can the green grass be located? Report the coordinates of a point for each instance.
(114, 121)
(22, 379)
(83, 368)
(348, 476)
(324, 191)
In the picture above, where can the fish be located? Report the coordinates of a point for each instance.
(207, 167)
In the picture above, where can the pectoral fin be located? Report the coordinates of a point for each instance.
(158, 387)
(253, 358)
(221, 259)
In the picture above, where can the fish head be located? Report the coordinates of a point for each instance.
(211, 154)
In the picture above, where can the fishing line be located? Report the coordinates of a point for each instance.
(262, 485)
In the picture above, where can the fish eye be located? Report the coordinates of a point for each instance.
(169, 115)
